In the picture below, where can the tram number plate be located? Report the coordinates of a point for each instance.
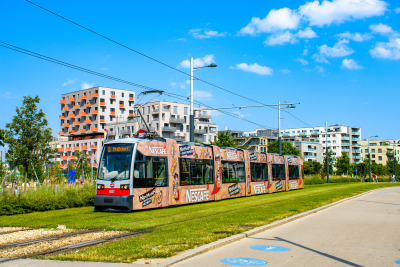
(111, 191)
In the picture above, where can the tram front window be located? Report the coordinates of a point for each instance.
(116, 161)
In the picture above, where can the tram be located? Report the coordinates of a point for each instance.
(140, 173)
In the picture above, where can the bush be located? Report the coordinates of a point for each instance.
(46, 198)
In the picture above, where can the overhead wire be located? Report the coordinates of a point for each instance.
(153, 59)
(33, 54)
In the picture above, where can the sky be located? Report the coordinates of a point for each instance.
(339, 59)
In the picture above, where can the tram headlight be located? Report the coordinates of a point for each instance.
(124, 187)
(100, 186)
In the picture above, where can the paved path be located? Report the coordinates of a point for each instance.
(364, 231)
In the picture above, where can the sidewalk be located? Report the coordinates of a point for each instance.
(364, 231)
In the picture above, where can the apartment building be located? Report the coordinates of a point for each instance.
(381, 151)
(167, 119)
(56, 144)
(255, 141)
(310, 149)
(84, 115)
(340, 139)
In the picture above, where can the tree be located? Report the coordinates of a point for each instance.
(342, 164)
(287, 148)
(2, 136)
(312, 167)
(390, 167)
(331, 162)
(27, 137)
(224, 139)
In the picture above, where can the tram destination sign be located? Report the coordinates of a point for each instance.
(118, 149)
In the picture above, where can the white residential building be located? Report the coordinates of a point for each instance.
(340, 139)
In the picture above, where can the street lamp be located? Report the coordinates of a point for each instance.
(191, 127)
(279, 123)
(369, 156)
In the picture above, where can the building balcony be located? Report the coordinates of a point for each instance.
(389, 154)
(77, 122)
(156, 110)
(309, 156)
(345, 138)
(76, 148)
(311, 149)
(131, 99)
(72, 115)
(169, 129)
(68, 148)
(72, 157)
(88, 121)
(355, 144)
(205, 122)
(130, 115)
(77, 107)
(111, 133)
(178, 138)
(60, 149)
(176, 120)
(112, 113)
(61, 133)
(84, 147)
(65, 108)
(102, 103)
(93, 129)
(204, 116)
(94, 111)
(82, 113)
(82, 130)
(83, 97)
(121, 106)
(200, 131)
(71, 132)
(64, 157)
(95, 95)
(102, 120)
(93, 147)
(345, 150)
(72, 99)
(302, 134)
(125, 131)
(286, 134)
(62, 117)
(65, 124)
(356, 157)
(112, 96)
(355, 139)
(88, 104)
(165, 109)
(62, 101)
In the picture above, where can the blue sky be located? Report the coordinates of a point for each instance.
(339, 59)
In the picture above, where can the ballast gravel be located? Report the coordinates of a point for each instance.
(49, 245)
(27, 235)
(10, 229)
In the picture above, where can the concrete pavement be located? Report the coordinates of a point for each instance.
(364, 231)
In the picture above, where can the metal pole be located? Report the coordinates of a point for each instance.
(394, 160)
(91, 163)
(327, 153)
(279, 128)
(369, 160)
(82, 167)
(355, 162)
(191, 124)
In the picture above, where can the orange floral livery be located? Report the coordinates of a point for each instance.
(137, 174)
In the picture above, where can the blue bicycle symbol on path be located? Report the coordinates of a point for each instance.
(243, 261)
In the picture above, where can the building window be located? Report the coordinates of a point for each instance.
(185, 110)
(122, 94)
(103, 92)
(130, 95)
(373, 150)
(380, 150)
(142, 110)
(380, 157)
(112, 92)
(148, 118)
(175, 109)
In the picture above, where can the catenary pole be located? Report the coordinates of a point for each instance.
(279, 128)
(191, 124)
(394, 161)
(327, 154)
(369, 160)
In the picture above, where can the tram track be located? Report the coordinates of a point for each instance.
(14, 231)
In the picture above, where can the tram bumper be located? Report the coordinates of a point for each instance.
(113, 203)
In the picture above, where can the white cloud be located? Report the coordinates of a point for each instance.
(340, 49)
(104, 69)
(262, 70)
(187, 81)
(320, 69)
(285, 71)
(202, 95)
(358, 37)
(276, 20)
(351, 64)
(389, 50)
(308, 33)
(198, 62)
(175, 84)
(302, 61)
(397, 10)
(69, 82)
(305, 52)
(339, 11)
(205, 33)
(182, 86)
(215, 113)
(7, 95)
(381, 29)
(281, 38)
(86, 85)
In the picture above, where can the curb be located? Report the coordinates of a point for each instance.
(228, 240)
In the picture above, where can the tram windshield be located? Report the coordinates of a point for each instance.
(116, 161)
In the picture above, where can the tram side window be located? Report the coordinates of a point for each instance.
(294, 172)
(233, 172)
(278, 172)
(196, 171)
(259, 172)
(150, 171)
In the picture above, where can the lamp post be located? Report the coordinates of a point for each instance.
(279, 123)
(191, 127)
(327, 152)
(394, 161)
(369, 157)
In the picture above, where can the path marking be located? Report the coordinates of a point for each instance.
(382, 193)
(398, 262)
(243, 261)
(270, 248)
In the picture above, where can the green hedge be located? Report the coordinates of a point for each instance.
(339, 179)
(46, 198)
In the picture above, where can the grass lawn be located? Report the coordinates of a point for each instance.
(181, 228)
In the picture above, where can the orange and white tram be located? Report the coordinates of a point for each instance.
(137, 174)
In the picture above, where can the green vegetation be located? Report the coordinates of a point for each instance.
(46, 198)
(178, 229)
(286, 147)
(318, 179)
(224, 139)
